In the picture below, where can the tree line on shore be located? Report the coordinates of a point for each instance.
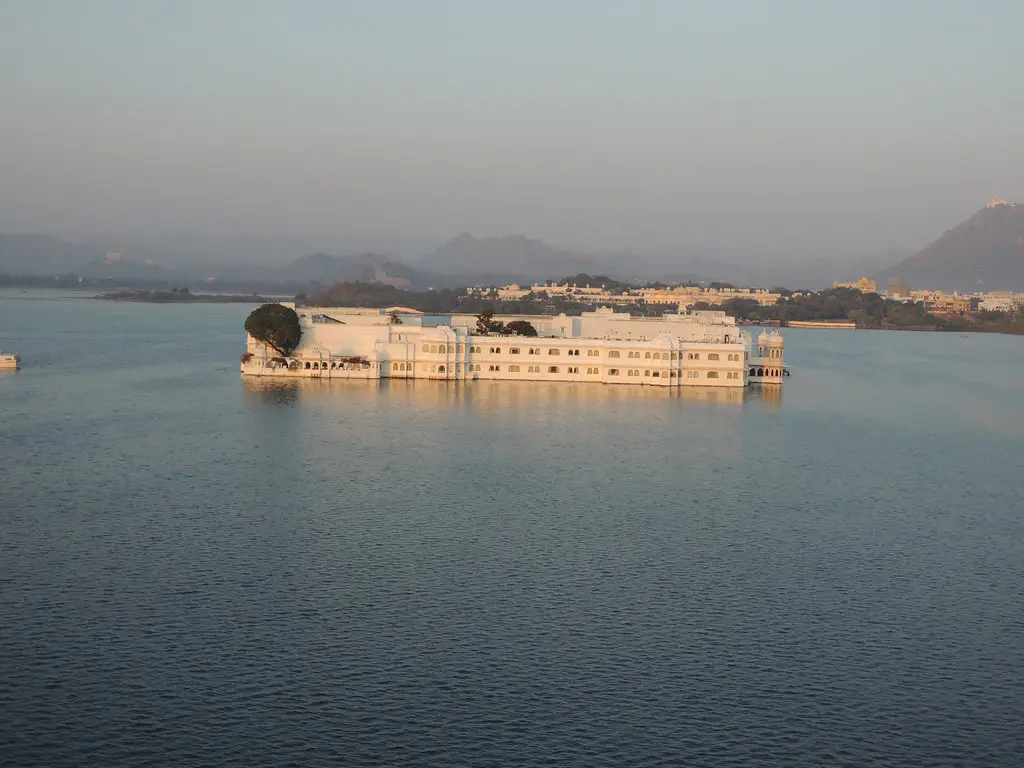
(867, 310)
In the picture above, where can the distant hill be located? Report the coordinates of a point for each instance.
(45, 255)
(364, 268)
(986, 252)
(117, 267)
(513, 257)
(42, 255)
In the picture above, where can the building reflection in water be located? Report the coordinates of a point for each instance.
(502, 395)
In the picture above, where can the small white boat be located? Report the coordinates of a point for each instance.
(9, 362)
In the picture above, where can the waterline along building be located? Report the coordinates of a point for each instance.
(701, 348)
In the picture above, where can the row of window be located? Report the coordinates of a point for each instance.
(323, 366)
(470, 368)
(444, 349)
(672, 374)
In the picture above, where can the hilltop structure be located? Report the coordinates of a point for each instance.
(864, 285)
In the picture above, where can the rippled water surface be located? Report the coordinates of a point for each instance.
(199, 570)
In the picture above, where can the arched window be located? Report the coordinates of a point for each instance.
(440, 369)
(657, 355)
(647, 373)
(712, 374)
(394, 367)
(442, 348)
(308, 365)
(760, 371)
(655, 375)
(426, 347)
(648, 355)
(613, 353)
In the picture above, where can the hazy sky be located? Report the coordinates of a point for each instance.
(617, 125)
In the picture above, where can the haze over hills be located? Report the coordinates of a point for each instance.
(984, 253)
(512, 257)
(462, 260)
(45, 255)
(42, 255)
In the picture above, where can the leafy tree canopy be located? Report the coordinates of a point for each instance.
(486, 324)
(521, 328)
(276, 326)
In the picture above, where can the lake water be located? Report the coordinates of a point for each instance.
(199, 570)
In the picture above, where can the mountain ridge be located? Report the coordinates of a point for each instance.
(984, 252)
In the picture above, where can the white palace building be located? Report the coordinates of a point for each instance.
(702, 349)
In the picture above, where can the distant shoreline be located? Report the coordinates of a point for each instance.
(183, 297)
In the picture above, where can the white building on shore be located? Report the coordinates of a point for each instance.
(704, 349)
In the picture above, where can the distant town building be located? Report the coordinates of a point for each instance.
(1000, 301)
(945, 304)
(898, 289)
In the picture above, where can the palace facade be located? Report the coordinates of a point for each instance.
(703, 349)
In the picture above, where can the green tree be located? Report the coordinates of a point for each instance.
(276, 326)
(486, 324)
(521, 328)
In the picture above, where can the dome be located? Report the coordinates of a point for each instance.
(775, 339)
